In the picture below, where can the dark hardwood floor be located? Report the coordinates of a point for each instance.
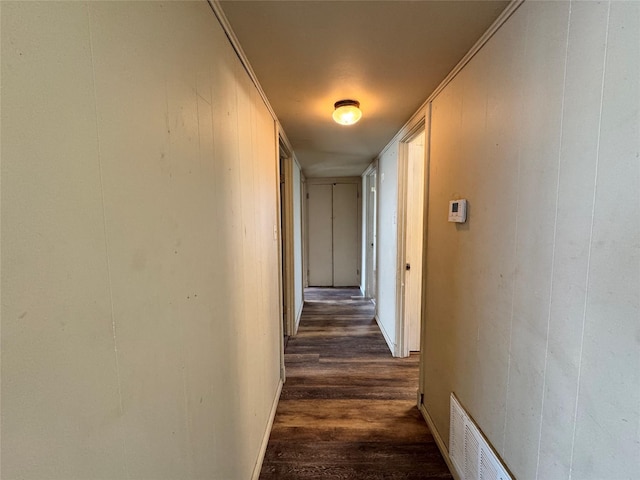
(347, 409)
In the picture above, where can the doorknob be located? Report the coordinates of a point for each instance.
(407, 267)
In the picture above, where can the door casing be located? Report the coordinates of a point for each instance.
(402, 347)
(370, 260)
(315, 228)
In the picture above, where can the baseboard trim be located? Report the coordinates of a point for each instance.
(387, 339)
(267, 433)
(442, 446)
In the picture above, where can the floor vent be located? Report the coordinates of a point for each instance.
(470, 452)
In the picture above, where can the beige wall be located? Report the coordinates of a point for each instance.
(532, 310)
(140, 306)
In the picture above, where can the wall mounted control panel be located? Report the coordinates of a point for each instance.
(458, 211)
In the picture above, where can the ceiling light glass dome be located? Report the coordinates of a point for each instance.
(347, 112)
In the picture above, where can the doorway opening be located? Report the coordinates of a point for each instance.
(283, 235)
(411, 237)
(370, 244)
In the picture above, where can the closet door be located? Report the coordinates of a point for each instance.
(346, 251)
(320, 203)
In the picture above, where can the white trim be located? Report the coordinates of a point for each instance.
(442, 446)
(285, 140)
(387, 339)
(367, 279)
(401, 206)
(265, 438)
(495, 26)
(376, 230)
(372, 165)
(425, 237)
(305, 230)
(419, 125)
(283, 374)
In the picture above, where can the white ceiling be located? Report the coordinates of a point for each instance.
(388, 55)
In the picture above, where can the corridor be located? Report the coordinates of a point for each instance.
(348, 409)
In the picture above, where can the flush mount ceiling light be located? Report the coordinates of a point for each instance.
(347, 112)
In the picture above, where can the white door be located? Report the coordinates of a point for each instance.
(413, 239)
(320, 208)
(370, 244)
(345, 235)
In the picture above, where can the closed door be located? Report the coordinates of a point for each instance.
(333, 235)
(320, 204)
(345, 235)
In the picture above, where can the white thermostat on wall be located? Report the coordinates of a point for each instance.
(458, 211)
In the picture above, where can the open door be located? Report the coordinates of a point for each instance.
(410, 241)
(371, 192)
(413, 241)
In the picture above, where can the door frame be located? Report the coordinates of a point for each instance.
(331, 181)
(421, 124)
(286, 237)
(305, 237)
(370, 230)
(414, 213)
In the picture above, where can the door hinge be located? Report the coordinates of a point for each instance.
(307, 196)
(282, 177)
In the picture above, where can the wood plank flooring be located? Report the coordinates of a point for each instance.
(347, 409)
